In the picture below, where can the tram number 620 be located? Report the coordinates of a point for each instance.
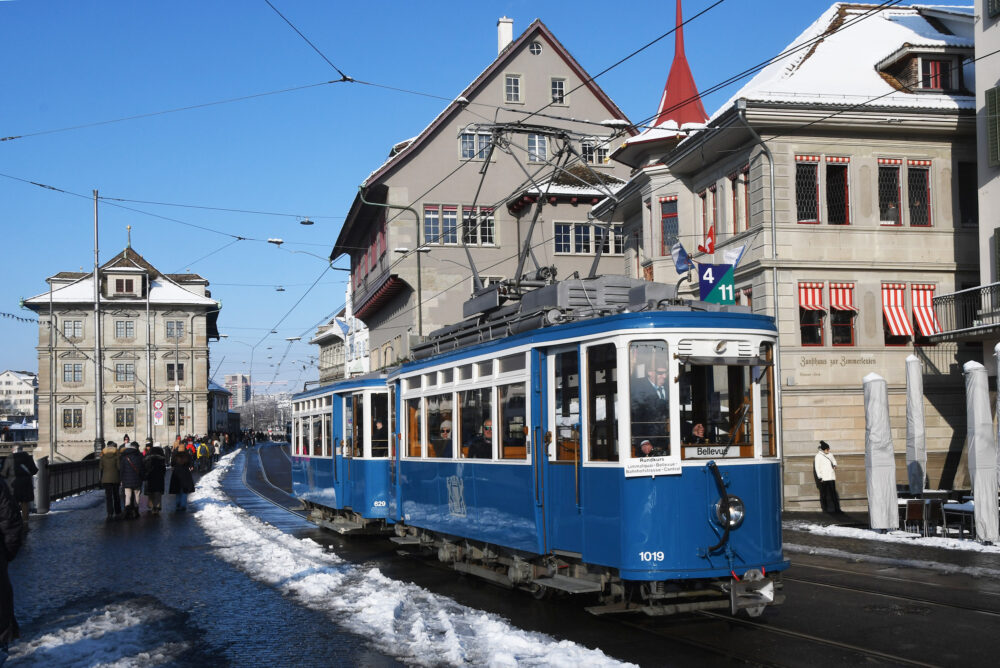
(651, 556)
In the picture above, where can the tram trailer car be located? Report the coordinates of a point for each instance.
(633, 456)
(340, 454)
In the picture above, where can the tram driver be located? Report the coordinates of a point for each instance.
(650, 406)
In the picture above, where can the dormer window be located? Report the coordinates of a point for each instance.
(920, 68)
(124, 286)
(936, 73)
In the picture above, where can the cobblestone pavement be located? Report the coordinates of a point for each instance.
(154, 585)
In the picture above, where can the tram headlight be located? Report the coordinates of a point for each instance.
(737, 511)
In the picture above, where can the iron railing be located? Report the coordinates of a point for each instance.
(969, 313)
(67, 478)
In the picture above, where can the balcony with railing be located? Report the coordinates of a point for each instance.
(969, 315)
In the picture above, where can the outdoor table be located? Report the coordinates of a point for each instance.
(964, 512)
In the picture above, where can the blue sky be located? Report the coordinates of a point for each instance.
(302, 153)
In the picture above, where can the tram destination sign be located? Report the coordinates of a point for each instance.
(652, 466)
(712, 452)
(715, 282)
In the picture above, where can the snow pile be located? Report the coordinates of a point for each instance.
(119, 635)
(399, 619)
(943, 542)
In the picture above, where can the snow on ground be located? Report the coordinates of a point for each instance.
(398, 618)
(942, 542)
(120, 634)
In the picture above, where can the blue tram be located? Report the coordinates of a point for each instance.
(597, 437)
(340, 454)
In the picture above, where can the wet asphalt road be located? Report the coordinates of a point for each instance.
(76, 564)
(850, 602)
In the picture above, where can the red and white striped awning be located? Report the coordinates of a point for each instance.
(837, 158)
(842, 297)
(923, 309)
(894, 308)
(890, 161)
(811, 296)
(806, 158)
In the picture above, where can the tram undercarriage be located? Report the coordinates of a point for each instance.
(561, 574)
(345, 521)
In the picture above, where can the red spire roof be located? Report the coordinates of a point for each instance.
(681, 102)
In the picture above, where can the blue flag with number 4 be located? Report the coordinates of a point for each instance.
(716, 283)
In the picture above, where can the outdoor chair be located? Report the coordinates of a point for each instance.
(914, 516)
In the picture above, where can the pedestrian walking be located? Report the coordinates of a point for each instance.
(825, 465)
(181, 478)
(131, 472)
(12, 530)
(19, 470)
(111, 479)
(155, 471)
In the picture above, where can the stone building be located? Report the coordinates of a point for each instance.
(153, 356)
(847, 170)
(468, 187)
(18, 395)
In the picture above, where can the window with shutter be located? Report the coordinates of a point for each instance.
(993, 123)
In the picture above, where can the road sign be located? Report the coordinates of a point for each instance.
(158, 405)
(716, 283)
(158, 417)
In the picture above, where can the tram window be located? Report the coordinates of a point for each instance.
(359, 425)
(348, 425)
(485, 369)
(512, 363)
(317, 436)
(512, 415)
(476, 418)
(297, 428)
(306, 436)
(380, 425)
(716, 404)
(649, 396)
(567, 406)
(602, 397)
(327, 434)
(430, 380)
(414, 428)
(439, 429)
(413, 383)
(768, 444)
(446, 376)
(465, 372)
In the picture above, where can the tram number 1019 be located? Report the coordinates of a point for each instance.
(651, 556)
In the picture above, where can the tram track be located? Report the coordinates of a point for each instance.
(901, 597)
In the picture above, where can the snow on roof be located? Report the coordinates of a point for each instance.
(666, 130)
(841, 67)
(162, 291)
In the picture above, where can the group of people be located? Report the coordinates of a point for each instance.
(127, 473)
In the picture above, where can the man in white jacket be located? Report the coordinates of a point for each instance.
(825, 465)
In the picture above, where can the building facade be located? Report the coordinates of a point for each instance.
(845, 175)
(466, 189)
(18, 395)
(140, 367)
(238, 386)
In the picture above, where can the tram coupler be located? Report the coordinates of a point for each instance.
(753, 592)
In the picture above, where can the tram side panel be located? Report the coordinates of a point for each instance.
(488, 502)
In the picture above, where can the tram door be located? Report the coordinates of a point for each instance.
(559, 457)
(338, 434)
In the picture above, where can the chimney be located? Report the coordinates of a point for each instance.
(505, 33)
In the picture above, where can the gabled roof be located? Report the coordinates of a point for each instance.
(163, 288)
(841, 68)
(403, 151)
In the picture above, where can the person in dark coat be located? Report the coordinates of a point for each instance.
(181, 479)
(12, 530)
(19, 469)
(155, 469)
(111, 479)
(131, 470)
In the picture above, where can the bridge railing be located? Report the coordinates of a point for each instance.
(68, 478)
